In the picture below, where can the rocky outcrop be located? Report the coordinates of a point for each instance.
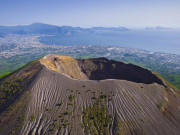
(63, 64)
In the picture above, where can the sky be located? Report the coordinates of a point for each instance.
(90, 13)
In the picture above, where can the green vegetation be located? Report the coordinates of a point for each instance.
(54, 126)
(102, 96)
(47, 109)
(10, 88)
(167, 83)
(84, 56)
(19, 106)
(32, 118)
(159, 106)
(173, 78)
(71, 97)
(65, 125)
(96, 119)
(93, 97)
(139, 108)
(13, 63)
(66, 113)
(120, 126)
(133, 61)
(14, 98)
(21, 119)
(4, 74)
(12, 132)
(166, 70)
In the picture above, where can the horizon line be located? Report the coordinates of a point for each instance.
(130, 27)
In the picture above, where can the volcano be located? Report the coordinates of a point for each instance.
(58, 95)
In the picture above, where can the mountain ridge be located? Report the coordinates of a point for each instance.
(47, 29)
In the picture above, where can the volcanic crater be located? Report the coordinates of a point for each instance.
(62, 95)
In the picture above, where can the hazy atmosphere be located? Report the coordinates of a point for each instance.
(90, 13)
(89, 67)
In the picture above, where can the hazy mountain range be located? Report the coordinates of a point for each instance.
(46, 29)
(158, 39)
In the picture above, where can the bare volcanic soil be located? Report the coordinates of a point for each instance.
(62, 95)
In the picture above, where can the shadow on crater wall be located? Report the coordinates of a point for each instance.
(102, 68)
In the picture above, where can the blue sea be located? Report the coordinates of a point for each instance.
(166, 40)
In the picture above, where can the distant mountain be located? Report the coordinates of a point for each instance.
(35, 28)
(46, 29)
(109, 29)
(157, 28)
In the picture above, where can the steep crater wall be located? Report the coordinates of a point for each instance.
(99, 69)
(102, 68)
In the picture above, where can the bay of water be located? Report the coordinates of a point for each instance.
(167, 40)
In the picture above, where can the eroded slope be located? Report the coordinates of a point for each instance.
(61, 105)
(14, 97)
(61, 100)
